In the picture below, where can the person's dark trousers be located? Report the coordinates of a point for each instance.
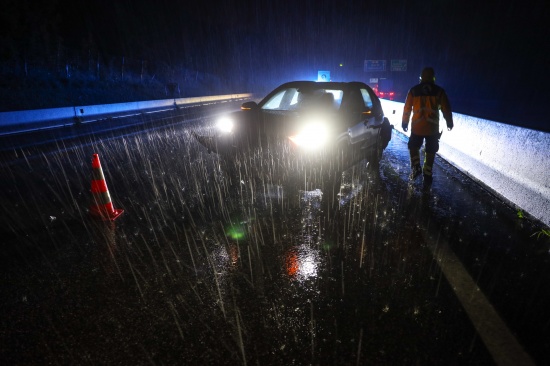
(432, 146)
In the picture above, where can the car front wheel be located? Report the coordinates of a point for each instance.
(383, 138)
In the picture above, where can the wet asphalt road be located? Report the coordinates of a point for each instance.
(198, 271)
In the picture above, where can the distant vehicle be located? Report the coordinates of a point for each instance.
(385, 89)
(305, 131)
(390, 95)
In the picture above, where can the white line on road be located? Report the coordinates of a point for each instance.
(498, 339)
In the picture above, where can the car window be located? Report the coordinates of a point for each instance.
(294, 101)
(337, 96)
(293, 98)
(366, 98)
(286, 99)
(275, 101)
(353, 102)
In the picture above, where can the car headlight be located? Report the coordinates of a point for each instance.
(312, 136)
(225, 125)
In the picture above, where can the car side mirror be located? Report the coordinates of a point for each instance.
(248, 106)
(367, 112)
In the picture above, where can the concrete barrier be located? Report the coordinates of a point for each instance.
(513, 161)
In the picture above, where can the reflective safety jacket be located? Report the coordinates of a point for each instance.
(425, 100)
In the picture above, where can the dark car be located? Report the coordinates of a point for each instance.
(304, 132)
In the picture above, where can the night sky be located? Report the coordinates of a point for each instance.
(496, 55)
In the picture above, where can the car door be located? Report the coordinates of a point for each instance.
(373, 109)
(361, 117)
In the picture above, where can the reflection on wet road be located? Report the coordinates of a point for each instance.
(204, 270)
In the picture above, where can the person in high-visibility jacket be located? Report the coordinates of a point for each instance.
(425, 100)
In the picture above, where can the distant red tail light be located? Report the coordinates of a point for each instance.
(387, 95)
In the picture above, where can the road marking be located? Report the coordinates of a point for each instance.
(498, 339)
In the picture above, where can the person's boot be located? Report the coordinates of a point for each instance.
(416, 169)
(429, 159)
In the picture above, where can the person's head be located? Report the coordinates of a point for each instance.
(427, 75)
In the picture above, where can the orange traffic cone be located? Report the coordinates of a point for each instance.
(102, 207)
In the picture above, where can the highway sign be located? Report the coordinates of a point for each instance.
(375, 65)
(323, 75)
(398, 65)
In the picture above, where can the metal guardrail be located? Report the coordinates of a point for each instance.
(19, 121)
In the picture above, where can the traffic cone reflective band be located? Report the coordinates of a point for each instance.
(102, 207)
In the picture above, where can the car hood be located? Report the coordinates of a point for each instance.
(254, 128)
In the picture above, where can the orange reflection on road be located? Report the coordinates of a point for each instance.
(292, 263)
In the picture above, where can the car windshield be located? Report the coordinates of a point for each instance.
(292, 99)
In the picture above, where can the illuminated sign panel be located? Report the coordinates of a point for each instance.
(375, 65)
(398, 65)
(323, 75)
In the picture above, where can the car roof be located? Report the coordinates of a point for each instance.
(323, 84)
(346, 86)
